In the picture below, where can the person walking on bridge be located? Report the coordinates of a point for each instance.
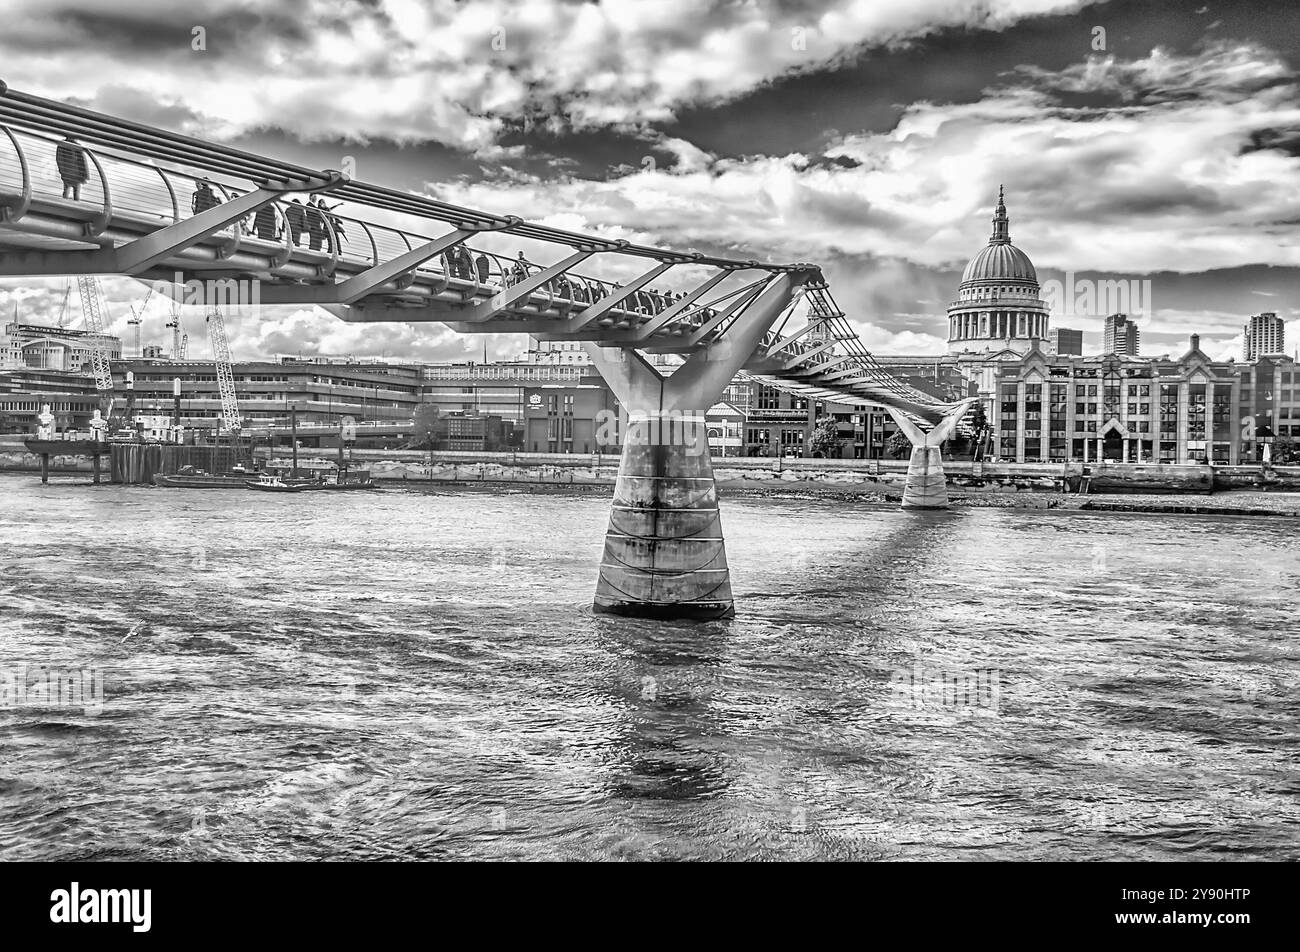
(295, 216)
(521, 269)
(204, 198)
(264, 223)
(315, 224)
(71, 160)
(330, 223)
(464, 263)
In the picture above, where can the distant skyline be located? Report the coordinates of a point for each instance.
(870, 138)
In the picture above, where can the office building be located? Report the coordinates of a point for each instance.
(1066, 341)
(1262, 335)
(1052, 408)
(1120, 336)
(321, 391)
(46, 347)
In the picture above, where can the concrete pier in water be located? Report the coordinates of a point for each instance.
(927, 485)
(664, 551)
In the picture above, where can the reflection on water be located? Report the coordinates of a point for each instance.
(406, 675)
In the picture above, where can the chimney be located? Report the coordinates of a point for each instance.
(1196, 342)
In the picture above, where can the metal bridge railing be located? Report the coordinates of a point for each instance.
(182, 176)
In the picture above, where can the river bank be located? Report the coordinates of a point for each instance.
(1232, 502)
(1218, 490)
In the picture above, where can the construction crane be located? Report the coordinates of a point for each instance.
(179, 340)
(135, 319)
(92, 309)
(63, 309)
(225, 375)
(134, 322)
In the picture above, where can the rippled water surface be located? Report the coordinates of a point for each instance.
(407, 675)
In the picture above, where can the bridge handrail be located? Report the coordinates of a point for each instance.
(645, 303)
(113, 132)
(116, 141)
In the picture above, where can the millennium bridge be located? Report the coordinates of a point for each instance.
(83, 194)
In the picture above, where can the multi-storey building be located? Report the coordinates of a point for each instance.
(71, 397)
(1268, 399)
(1120, 336)
(495, 388)
(580, 417)
(1263, 334)
(471, 431)
(1057, 408)
(45, 347)
(1066, 341)
(320, 392)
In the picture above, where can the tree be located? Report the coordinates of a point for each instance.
(1285, 451)
(425, 429)
(899, 446)
(980, 424)
(826, 440)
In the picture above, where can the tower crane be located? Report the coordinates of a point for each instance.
(136, 317)
(180, 341)
(63, 308)
(134, 322)
(225, 375)
(92, 309)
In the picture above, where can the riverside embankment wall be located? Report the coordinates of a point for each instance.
(846, 475)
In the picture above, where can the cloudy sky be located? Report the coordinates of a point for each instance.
(1136, 139)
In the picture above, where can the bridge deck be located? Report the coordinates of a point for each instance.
(162, 207)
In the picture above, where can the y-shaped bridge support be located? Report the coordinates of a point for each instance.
(926, 486)
(664, 552)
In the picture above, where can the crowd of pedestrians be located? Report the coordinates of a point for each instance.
(316, 222)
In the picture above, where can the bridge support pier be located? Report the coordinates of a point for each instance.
(926, 486)
(664, 555)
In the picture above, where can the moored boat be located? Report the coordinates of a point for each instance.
(189, 477)
(348, 480)
(200, 481)
(269, 482)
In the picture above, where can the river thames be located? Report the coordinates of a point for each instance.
(419, 675)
